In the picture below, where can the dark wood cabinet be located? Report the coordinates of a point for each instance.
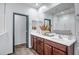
(47, 49)
(58, 52)
(34, 40)
(40, 46)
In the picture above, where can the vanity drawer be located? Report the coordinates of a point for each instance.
(33, 36)
(56, 45)
(41, 39)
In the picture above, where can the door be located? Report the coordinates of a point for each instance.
(5, 43)
(77, 35)
(2, 9)
(20, 29)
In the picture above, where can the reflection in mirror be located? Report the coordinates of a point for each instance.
(47, 24)
(34, 25)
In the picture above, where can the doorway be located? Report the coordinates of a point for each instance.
(20, 30)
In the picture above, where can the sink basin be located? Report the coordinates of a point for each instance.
(49, 34)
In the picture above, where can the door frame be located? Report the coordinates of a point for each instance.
(27, 27)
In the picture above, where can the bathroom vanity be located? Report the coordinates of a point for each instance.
(45, 45)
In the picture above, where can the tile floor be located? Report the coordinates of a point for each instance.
(24, 51)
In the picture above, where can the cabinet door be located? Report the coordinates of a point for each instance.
(34, 43)
(58, 52)
(47, 49)
(39, 46)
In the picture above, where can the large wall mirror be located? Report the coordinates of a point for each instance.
(47, 23)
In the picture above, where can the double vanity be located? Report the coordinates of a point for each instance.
(52, 45)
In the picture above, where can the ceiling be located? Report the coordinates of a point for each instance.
(69, 7)
(37, 6)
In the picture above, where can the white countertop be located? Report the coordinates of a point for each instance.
(65, 41)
